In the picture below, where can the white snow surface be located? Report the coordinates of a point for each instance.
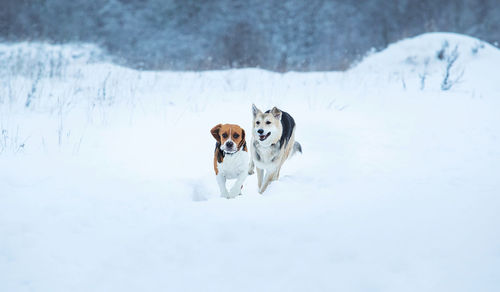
(107, 182)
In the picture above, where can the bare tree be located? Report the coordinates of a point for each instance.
(448, 81)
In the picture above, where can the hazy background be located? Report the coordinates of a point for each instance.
(218, 34)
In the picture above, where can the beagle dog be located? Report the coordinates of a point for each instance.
(230, 158)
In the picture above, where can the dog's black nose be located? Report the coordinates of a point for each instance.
(260, 131)
(229, 144)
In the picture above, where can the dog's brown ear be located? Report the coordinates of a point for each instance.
(255, 110)
(242, 142)
(215, 132)
(276, 113)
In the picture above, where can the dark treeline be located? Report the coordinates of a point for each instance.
(215, 34)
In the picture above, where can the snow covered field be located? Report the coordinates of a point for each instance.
(107, 184)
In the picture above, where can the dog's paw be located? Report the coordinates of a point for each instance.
(251, 171)
(234, 192)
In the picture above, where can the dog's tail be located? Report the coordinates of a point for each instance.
(296, 148)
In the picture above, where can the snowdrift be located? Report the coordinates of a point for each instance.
(422, 63)
(106, 176)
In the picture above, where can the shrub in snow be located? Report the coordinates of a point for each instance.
(448, 81)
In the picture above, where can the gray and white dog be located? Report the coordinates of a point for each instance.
(273, 141)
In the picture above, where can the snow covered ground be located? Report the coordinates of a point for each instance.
(106, 178)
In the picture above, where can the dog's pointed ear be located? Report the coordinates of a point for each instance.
(215, 132)
(255, 110)
(276, 113)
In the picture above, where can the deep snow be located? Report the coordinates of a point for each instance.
(106, 181)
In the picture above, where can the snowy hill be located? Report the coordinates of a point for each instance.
(421, 63)
(107, 182)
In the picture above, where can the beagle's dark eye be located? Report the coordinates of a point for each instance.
(268, 122)
(236, 135)
(224, 135)
(258, 123)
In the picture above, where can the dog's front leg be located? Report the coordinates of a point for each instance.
(221, 180)
(236, 189)
(260, 174)
(268, 178)
(251, 167)
(277, 173)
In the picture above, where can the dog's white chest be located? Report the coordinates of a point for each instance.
(233, 165)
(265, 156)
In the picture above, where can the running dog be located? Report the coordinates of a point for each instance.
(273, 141)
(230, 158)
